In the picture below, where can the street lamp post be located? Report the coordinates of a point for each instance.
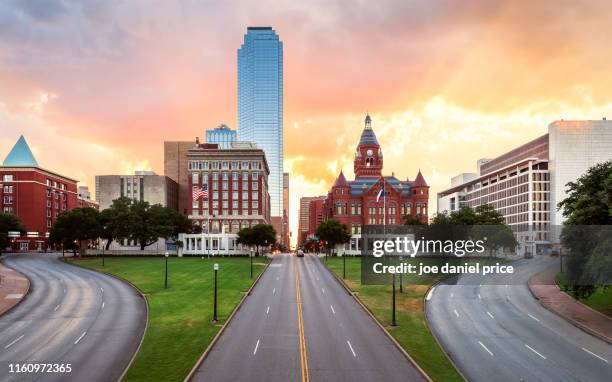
(216, 268)
(393, 322)
(344, 265)
(251, 256)
(103, 252)
(166, 279)
(401, 284)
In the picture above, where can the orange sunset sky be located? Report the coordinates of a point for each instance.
(97, 86)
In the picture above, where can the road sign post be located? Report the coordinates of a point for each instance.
(216, 268)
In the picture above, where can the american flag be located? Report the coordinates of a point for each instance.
(200, 192)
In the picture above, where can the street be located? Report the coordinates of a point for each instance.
(500, 332)
(309, 329)
(71, 315)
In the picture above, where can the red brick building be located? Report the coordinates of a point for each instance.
(357, 203)
(237, 183)
(34, 194)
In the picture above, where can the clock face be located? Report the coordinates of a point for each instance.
(369, 153)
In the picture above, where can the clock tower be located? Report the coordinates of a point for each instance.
(368, 156)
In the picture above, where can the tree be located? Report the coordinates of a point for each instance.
(333, 232)
(9, 222)
(148, 223)
(246, 237)
(586, 232)
(411, 220)
(263, 235)
(486, 214)
(115, 221)
(76, 226)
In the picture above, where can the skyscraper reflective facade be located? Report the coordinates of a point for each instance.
(260, 103)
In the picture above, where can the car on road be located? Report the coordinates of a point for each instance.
(299, 253)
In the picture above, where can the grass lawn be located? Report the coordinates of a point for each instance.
(180, 326)
(600, 300)
(412, 331)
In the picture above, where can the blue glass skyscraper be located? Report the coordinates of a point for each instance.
(221, 135)
(260, 103)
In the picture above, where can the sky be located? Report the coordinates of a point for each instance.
(97, 86)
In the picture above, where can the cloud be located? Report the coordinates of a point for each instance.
(440, 78)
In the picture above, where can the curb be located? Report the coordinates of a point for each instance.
(433, 334)
(225, 324)
(144, 332)
(577, 324)
(393, 340)
(25, 294)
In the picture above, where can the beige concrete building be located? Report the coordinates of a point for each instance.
(142, 185)
(526, 183)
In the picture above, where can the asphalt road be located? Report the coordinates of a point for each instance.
(336, 339)
(501, 333)
(72, 316)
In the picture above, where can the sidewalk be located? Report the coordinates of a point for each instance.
(13, 287)
(545, 289)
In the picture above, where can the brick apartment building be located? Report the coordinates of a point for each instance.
(311, 215)
(236, 180)
(37, 196)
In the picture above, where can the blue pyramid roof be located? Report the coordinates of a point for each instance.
(20, 155)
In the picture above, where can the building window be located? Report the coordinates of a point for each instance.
(235, 195)
(255, 195)
(9, 178)
(8, 210)
(339, 209)
(8, 189)
(225, 204)
(194, 178)
(234, 204)
(8, 199)
(245, 185)
(352, 208)
(254, 187)
(225, 195)
(245, 165)
(235, 185)
(255, 204)
(195, 205)
(245, 205)
(408, 209)
(225, 185)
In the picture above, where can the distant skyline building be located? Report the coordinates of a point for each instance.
(222, 135)
(260, 106)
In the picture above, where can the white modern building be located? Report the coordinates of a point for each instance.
(526, 183)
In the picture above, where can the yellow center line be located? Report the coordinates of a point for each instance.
(303, 351)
